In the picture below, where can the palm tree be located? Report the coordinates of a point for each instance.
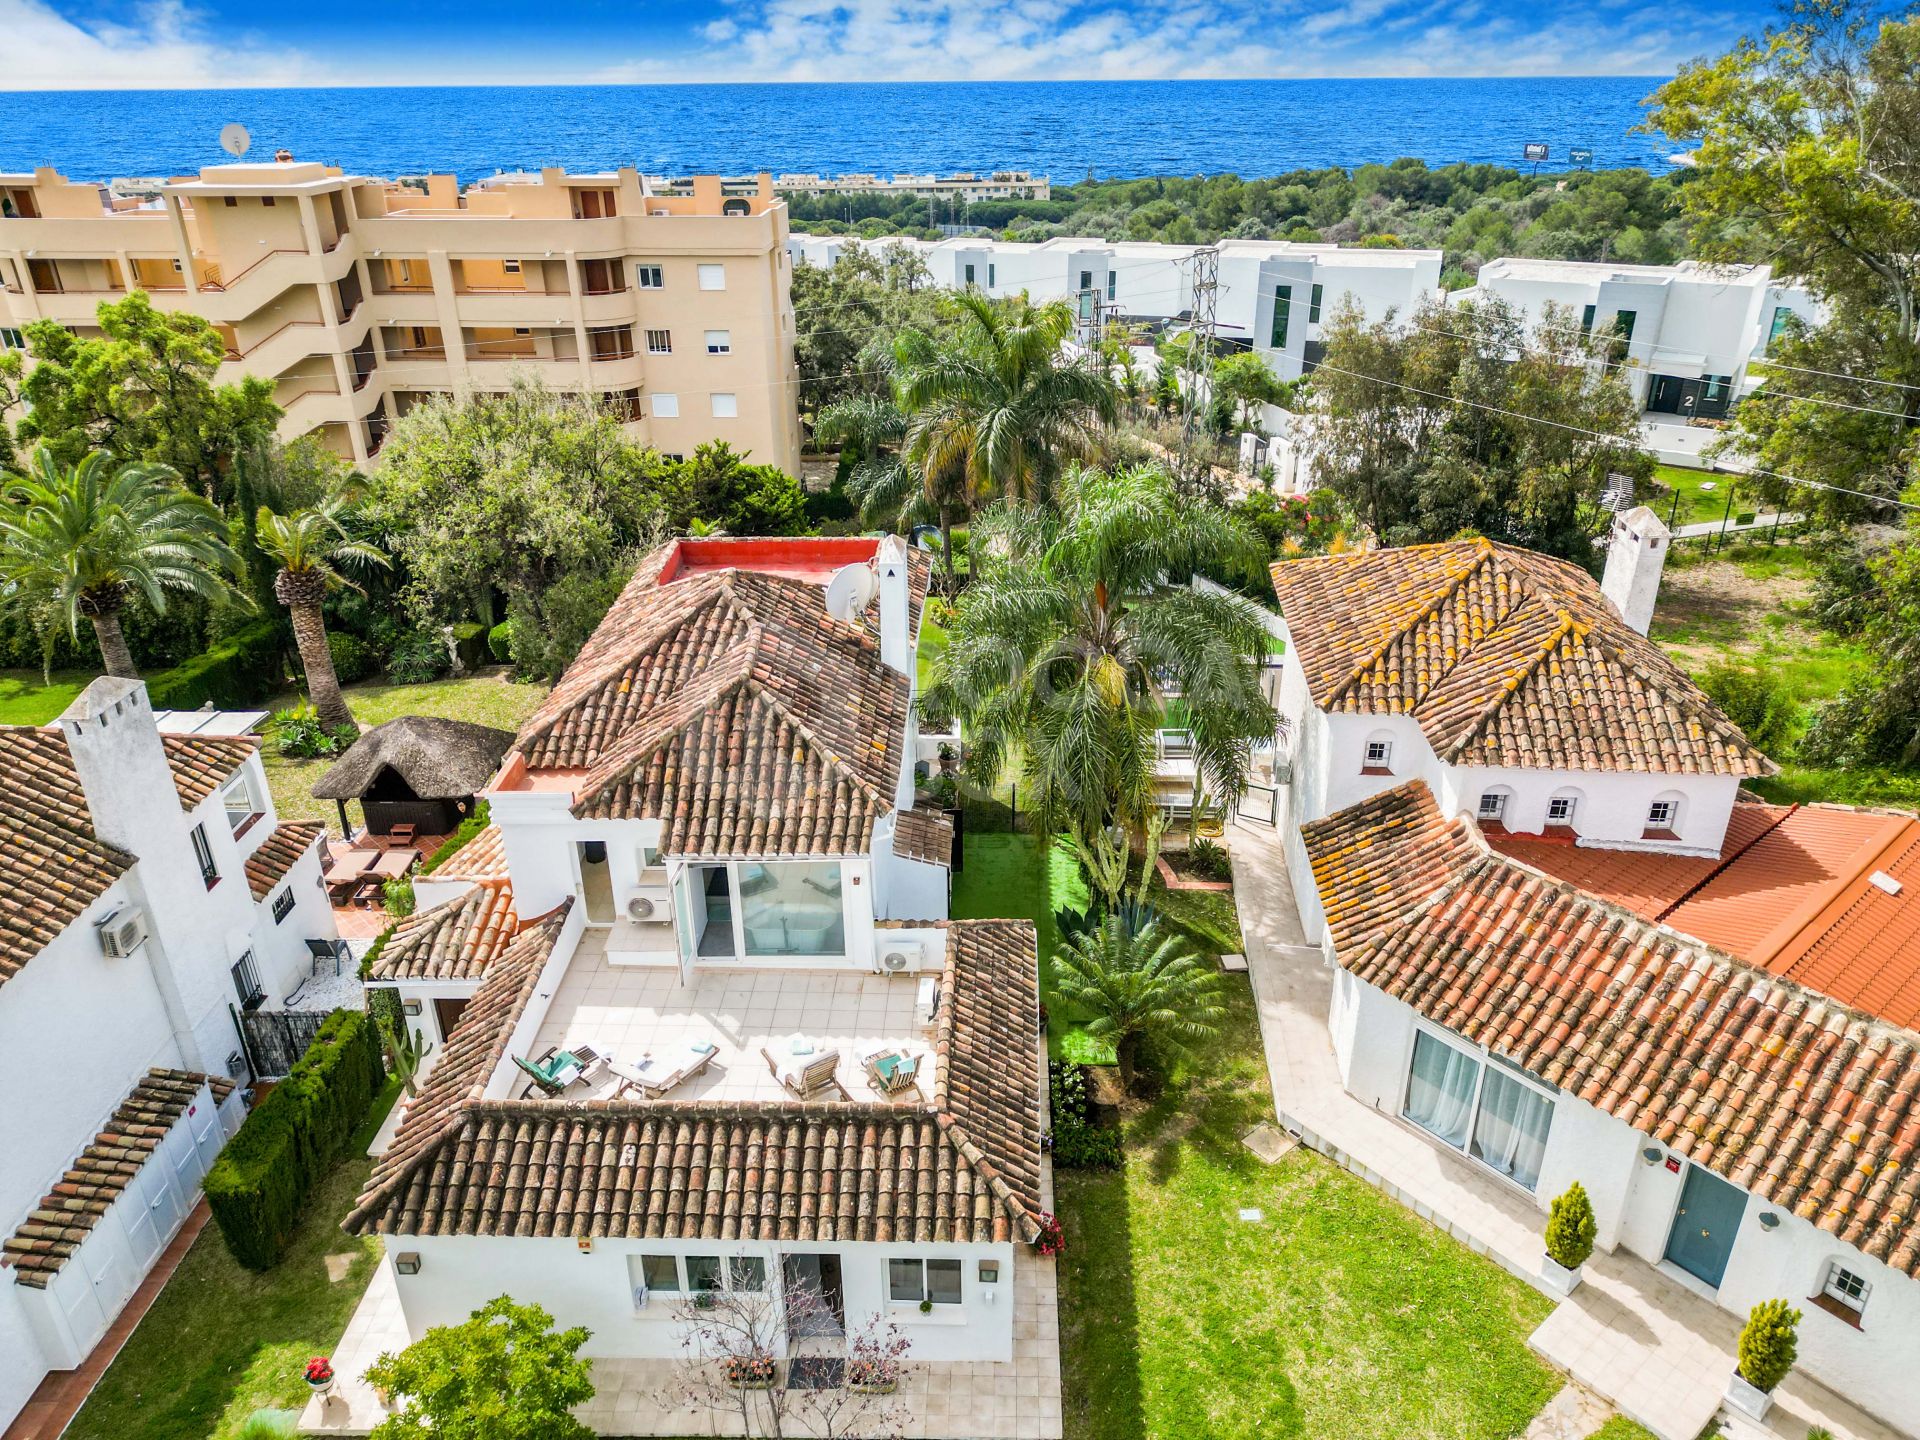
(1135, 983)
(890, 488)
(84, 539)
(1078, 627)
(312, 548)
(997, 398)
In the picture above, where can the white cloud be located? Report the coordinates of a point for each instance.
(166, 46)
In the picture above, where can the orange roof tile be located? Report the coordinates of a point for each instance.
(1504, 657)
(1802, 1101)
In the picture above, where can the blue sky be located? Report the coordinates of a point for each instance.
(76, 44)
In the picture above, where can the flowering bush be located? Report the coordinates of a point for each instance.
(1051, 1239)
(319, 1370)
(750, 1370)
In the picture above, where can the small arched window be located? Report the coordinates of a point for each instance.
(1664, 816)
(1495, 801)
(735, 207)
(1563, 809)
(1377, 759)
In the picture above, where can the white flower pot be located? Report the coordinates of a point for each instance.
(1750, 1400)
(1557, 1277)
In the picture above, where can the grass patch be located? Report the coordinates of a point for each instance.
(1008, 876)
(1337, 1316)
(1683, 501)
(1619, 1427)
(221, 1342)
(1808, 785)
(933, 644)
(485, 699)
(26, 699)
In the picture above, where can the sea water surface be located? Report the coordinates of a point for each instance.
(1066, 129)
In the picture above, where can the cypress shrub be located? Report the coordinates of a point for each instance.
(1769, 1343)
(260, 1184)
(1571, 1228)
(470, 643)
(244, 668)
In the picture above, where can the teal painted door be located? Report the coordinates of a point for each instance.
(1705, 1224)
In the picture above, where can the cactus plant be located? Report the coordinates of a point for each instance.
(1769, 1344)
(1571, 1228)
(407, 1050)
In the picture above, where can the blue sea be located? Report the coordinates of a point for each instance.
(1064, 129)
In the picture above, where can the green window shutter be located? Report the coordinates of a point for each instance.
(1313, 305)
(1586, 320)
(1282, 303)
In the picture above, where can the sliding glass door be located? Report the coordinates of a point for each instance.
(730, 909)
(1477, 1106)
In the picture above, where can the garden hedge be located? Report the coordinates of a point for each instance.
(243, 669)
(470, 643)
(262, 1180)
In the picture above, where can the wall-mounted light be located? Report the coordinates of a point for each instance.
(989, 1272)
(1651, 1154)
(1769, 1220)
(410, 1007)
(407, 1262)
(585, 1242)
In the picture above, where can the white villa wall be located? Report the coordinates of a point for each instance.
(906, 889)
(458, 1274)
(1634, 1201)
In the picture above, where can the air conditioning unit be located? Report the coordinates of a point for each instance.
(899, 957)
(121, 931)
(642, 907)
(236, 1064)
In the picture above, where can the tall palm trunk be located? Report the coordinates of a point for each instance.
(323, 685)
(113, 644)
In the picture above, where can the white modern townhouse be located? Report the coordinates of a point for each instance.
(700, 1022)
(1569, 946)
(1274, 296)
(147, 894)
(1687, 333)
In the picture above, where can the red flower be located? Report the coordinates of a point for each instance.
(1052, 1239)
(319, 1370)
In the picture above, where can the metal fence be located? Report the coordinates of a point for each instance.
(276, 1038)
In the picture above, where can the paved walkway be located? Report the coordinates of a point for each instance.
(1657, 1352)
(60, 1395)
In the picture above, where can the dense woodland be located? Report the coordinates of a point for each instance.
(1473, 212)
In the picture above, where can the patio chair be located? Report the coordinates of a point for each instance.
(656, 1076)
(893, 1073)
(806, 1076)
(328, 955)
(558, 1071)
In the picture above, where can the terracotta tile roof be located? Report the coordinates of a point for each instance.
(965, 1167)
(201, 764)
(1792, 892)
(1789, 1094)
(482, 858)
(731, 706)
(467, 1062)
(52, 867)
(67, 1214)
(924, 834)
(458, 939)
(279, 853)
(1504, 657)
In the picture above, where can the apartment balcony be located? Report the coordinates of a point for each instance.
(530, 308)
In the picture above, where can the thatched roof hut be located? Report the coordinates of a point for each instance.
(419, 769)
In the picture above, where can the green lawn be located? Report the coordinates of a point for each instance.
(933, 644)
(485, 699)
(221, 1342)
(1337, 1315)
(1619, 1427)
(1696, 504)
(26, 700)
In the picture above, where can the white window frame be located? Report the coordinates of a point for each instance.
(1378, 755)
(12, 338)
(925, 1294)
(510, 267)
(724, 405)
(666, 406)
(250, 806)
(1493, 805)
(203, 856)
(649, 277)
(659, 342)
(1572, 803)
(1486, 1060)
(1833, 1288)
(719, 342)
(713, 277)
(1667, 821)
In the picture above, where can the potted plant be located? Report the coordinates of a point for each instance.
(320, 1375)
(926, 1307)
(751, 1372)
(1570, 1234)
(949, 758)
(1769, 1343)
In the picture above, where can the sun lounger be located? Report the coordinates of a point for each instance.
(558, 1070)
(804, 1071)
(892, 1071)
(392, 864)
(656, 1075)
(348, 871)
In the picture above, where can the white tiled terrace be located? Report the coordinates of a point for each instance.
(626, 1012)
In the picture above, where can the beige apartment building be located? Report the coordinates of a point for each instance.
(360, 296)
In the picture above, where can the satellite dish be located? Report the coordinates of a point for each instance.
(234, 139)
(851, 591)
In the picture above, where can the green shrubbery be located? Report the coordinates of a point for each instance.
(300, 733)
(470, 644)
(353, 658)
(260, 1183)
(418, 656)
(500, 641)
(1571, 1228)
(452, 845)
(242, 669)
(1078, 1143)
(1769, 1343)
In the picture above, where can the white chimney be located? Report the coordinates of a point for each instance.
(890, 566)
(1636, 554)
